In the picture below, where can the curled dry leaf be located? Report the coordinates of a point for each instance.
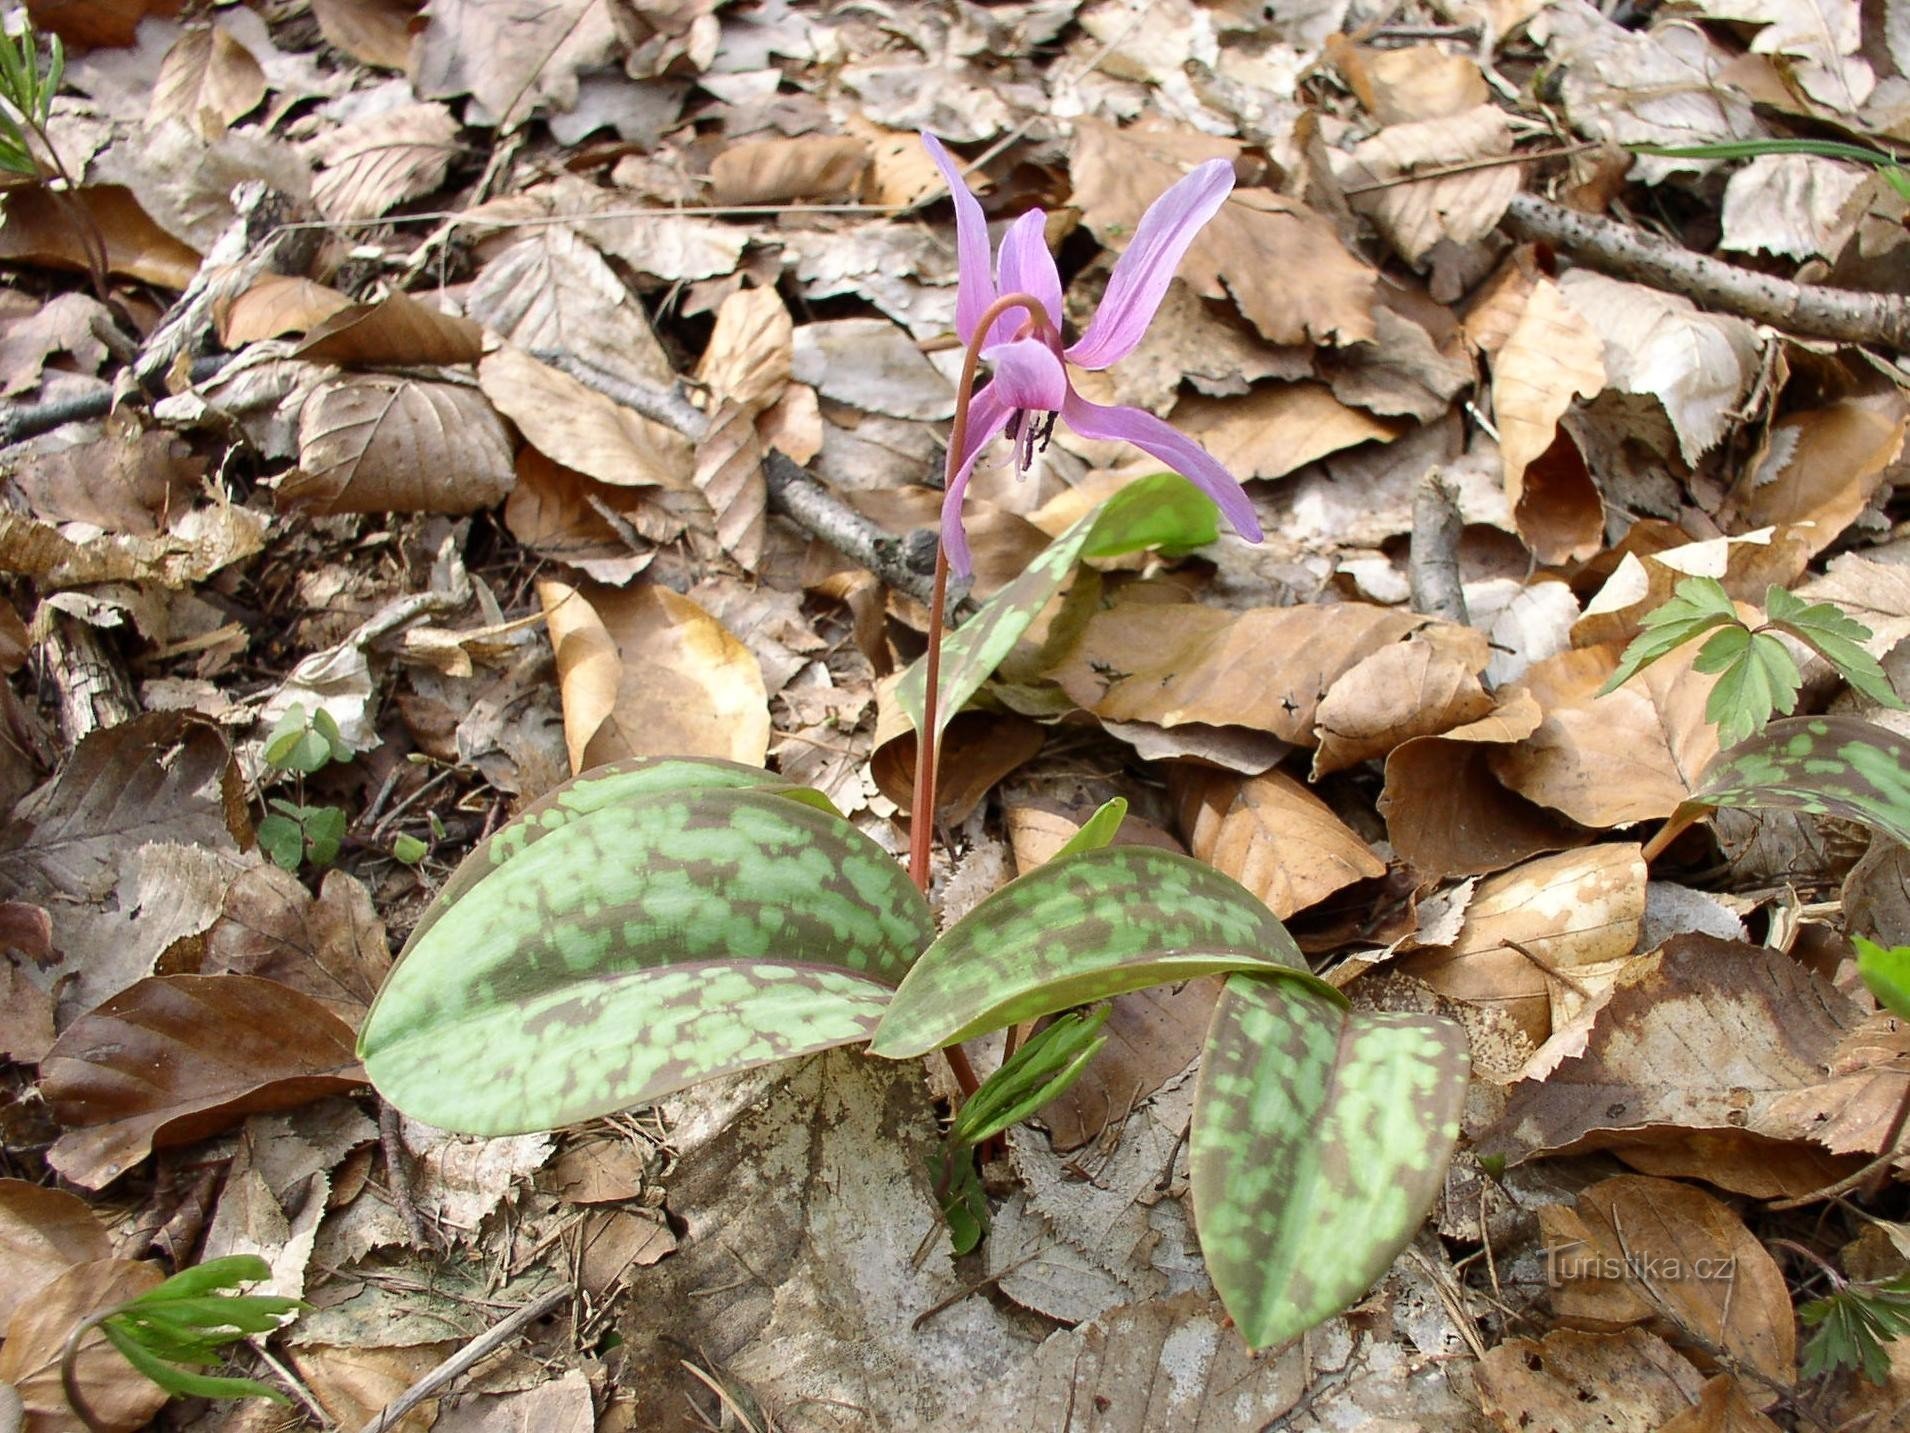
(43, 1233)
(1272, 835)
(1414, 215)
(645, 672)
(1422, 686)
(1279, 428)
(207, 80)
(604, 532)
(581, 429)
(122, 1398)
(41, 231)
(1248, 251)
(373, 32)
(1822, 466)
(746, 366)
(395, 331)
(1691, 1060)
(1543, 940)
(276, 305)
(1746, 565)
(198, 542)
(385, 443)
(177, 1057)
(774, 171)
(1633, 1249)
(1854, 1108)
(1410, 83)
(372, 164)
(332, 948)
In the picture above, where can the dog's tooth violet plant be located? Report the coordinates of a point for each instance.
(658, 922)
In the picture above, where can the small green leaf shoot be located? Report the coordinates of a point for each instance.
(1040, 1071)
(1886, 974)
(408, 850)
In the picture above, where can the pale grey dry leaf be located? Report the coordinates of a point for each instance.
(384, 443)
(184, 181)
(1460, 207)
(1800, 205)
(208, 80)
(676, 250)
(73, 324)
(333, 948)
(562, 1405)
(514, 57)
(872, 365)
(461, 1178)
(1818, 38)
(551, 291)
(368, 166)
(250, 1219)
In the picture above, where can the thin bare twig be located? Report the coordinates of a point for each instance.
(1810, 310)
(468, 1357)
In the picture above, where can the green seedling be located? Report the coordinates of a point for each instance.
(1853, 1324)
(292, 832)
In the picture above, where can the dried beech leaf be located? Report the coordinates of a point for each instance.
(395, 331)
(370, 165)
(178, 1057)
(332, 948)
(581, 429)
(1551, 356)
(43, 1233)
(384, 443)
(1630, 1382)
(1272, 835)
(774, 171)
(373, 32)
(1279, 428)
(513, 56)
(729, 470)
(645, 672)
(1460, 208)
(1422, 686)
(121, 1397)
(200, 542)
(76, 325)
(41, 231)
(274, 306)
(207, 80)
(604, 532)
(1822, 466)
(750, 352)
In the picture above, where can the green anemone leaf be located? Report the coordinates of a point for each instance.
(638, 948)
(595, 789)
(1081, 928)
(1827, 765)
(1164, 510)
(1319, 1139)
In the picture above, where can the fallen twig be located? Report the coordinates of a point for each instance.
(468, 1357)
(1809, 310)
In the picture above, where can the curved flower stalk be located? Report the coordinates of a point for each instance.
(1031, 385)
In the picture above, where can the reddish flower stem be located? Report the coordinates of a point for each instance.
(928, 735)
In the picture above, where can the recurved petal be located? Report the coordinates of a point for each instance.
(1028, 374)
(1141, 275)
(987, 416)
(975, 290)
(1177, 451)
(1027, 267)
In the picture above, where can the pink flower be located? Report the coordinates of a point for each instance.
(1030, 385)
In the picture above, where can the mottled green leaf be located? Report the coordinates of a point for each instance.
(1836, 637)
(1886, 973)
(1827, 765)
(1164, 510)
(1078, 929)
(1698, 605)
(1319, 1139)
(595, 789)
(1756, 676)
(637, 948)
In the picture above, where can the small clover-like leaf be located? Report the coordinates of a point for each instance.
(1886, 974)
(283, 839)
(1756, 676)
(1836, 637)
(324, 833)
(1698, 604)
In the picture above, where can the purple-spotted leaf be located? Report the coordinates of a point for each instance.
(1080, 928)
(638, 944)
(1827, 765)
(1319, 1139)
(1164, 510)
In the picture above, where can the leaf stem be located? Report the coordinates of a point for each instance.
(69, 1368)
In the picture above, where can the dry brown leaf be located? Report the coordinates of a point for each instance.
(1852, 1110)
(175, 1058)
(1631, 1382)
(775, 171)
(1266, 668)
(378, 442)
(1722, 1407)
(354, 1385)
(1448, 815)
(901, 173)
(1279, 428)
(1272, 835)
(1746, 565)
(1422, 686)
(1249, 251)
(396, 331)
(1633, 755)
(729, 472)
(1821, 466)
(373, 32)
(1413, 82)
(1530, 932)
(43, 1233)
(1706, 1035)
(40, 231)
(129, 481)
(978, 750)
(75, 324)
(129, 849)
(1633, 1248)
(1403, 373)
(207, 80)
(604, 532)
(368, 166)
(1459, 208)
(121, 1398)
(26, 1014)
(747, 367)
(200, 541)
(104, 23)
(646, 672)
(1551, 355)
(581, 429)
(276, 305)
(513, 57)
(552, 292)
(332, 948)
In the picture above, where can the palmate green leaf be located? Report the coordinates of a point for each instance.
(1827, 765)
(1164, 511)
(1853, 1324)
(1886, 974)
(1836, 637)
(1079, 929)
(1698, 604)
(1756, 676)
(637, 947)
(1319, 1139)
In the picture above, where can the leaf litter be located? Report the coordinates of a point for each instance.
(498, 475)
